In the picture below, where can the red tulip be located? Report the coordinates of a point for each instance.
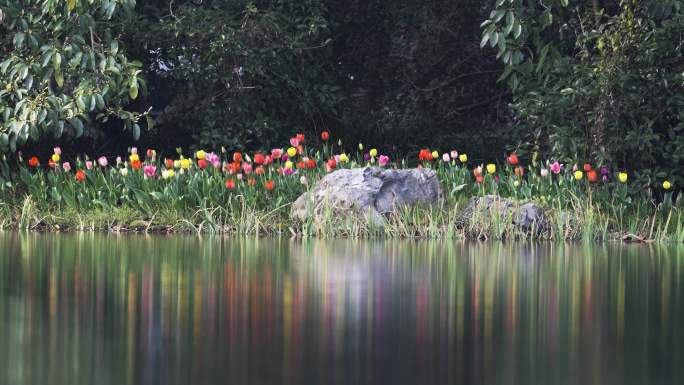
(80, 175)
(325, 135)
(202, 164)
(592, 176)
(513, 159)
(269, 185)
(33, 162)
(587, 167)
(237, 157)
(230, 184)
(259, 159)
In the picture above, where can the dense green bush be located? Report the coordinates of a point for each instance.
(601, 81)
(62, 69)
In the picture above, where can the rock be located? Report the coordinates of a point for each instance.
(371, 192)
(526, 216)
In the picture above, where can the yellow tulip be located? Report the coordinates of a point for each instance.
(291, 152)
(166, 174)
(344, 158)
(463, 158)
(373, 152)
(176, 164)
(579, 175)
(435, 154)
(491, 168)
(622, 177)
(360, 146)
(55, 157)
(289, 164)
(200, 154)
(667, 185)
(185, 163)
(134, 158)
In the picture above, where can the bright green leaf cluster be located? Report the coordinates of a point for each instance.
(62, 69)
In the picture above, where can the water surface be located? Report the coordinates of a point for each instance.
(103, 309)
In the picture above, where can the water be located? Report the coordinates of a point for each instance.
(98, 309)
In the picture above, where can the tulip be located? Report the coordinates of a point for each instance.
(516, 183)
(586, 167)
(291, 152)
(33, 162)
(124, 171)
(251, 182)
(592, 176)
(622, 177)
(237, 156)
(102, 161)
(513, 159)
(185, 163)
(55, 157)
(202, 164)
(89, 165)
(276, 153)
(136, 165)
(344, 158)
(383, 160)
(491, 168)
(134, 158)
(325, 135)
(373, 153)
(302, 180)
(259, 159)
(151, 153)
(424, 155)
(134, 150)
(247, 168)
(579, 175)
(446, 158)
(544, 172)
(463, 158)
(66, 166)
(360, 146)
(118, 160)
(435, 154)
(519, 171)
(667, 185)
(269, 185)
(259, 170)
(80, 176)
(555, 168)
(294, 142)
(150, 171)
(289, 165)
(168, 173)
(230, 184)
(200, 154)
(454, 154)
(57, 151)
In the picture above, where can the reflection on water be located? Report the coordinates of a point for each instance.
(97, 309)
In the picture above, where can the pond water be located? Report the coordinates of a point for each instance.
(104, 309)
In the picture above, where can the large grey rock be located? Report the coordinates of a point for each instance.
(526, 216)
(370, 191)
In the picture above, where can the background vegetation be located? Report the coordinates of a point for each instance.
(595, 80)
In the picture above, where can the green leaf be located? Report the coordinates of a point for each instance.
(133, 90)
(136, 132)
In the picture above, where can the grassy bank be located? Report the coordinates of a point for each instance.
(251, 194)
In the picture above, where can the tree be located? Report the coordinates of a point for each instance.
(63, 69)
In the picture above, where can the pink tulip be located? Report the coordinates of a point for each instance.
(555, 168)
(89, 165)
(102, 161)
(383, 160)
(294, 142)
(134, 150)
(247, 168)
(150, 170)
(276, 153)
(454, 154)
(66, 166)
(58, 151)
(445, 157)
(544, 172)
